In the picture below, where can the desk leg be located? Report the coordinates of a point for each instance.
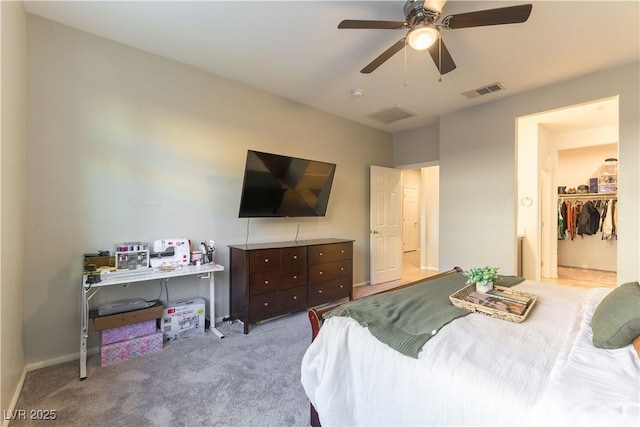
(84, 331)
(212, 307)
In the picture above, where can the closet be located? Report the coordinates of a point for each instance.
(564, 149)
(587, 221)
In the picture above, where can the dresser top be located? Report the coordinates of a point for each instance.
(290, 244)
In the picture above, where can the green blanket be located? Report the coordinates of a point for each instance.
(405, 319)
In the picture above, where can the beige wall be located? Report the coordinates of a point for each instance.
(577, 165)
(125, 146)
(12, 202)
(417, 146)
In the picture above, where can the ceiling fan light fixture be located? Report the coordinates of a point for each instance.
(423, 36)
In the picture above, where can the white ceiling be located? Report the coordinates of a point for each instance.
(592, 115)
(294, 48)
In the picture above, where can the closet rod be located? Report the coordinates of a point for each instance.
(588, 196)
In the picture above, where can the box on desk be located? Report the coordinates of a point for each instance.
(129, 349)
(127, 318)
(93, 263)
(183, 318)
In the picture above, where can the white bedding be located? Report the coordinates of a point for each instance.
(478, 371)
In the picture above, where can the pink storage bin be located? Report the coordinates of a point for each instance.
(127, 332)
(129, 349)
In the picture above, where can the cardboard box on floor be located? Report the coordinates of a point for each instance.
(183, 318)
(129, 349)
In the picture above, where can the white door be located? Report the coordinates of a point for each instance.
(385, 225)
(410, 219)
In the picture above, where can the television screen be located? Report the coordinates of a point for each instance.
(283, 186)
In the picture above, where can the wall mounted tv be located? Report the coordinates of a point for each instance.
(283, 186)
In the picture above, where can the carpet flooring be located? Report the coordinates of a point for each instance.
(240, 380)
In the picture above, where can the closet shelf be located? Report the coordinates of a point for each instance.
(592, 196)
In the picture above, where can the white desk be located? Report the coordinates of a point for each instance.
(123, 278)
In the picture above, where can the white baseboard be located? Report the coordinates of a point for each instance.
(60, 359)
(360, 284)
(14, 399)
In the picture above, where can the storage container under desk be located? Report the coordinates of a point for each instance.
(272, 279)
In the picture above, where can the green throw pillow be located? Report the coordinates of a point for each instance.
(616, 321)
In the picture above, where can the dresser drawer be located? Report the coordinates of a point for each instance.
(329, 270)
(331, 290)
(293, 257)
(273, 304)
(264, 260)
(331, 252)
(270, 281)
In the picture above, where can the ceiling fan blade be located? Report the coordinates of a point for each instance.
(441, 57)
(383, 57)
(375, 25)
(481, 18)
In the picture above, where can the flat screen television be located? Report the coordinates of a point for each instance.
(281, 186)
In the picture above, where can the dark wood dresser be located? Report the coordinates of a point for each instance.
(272, 279)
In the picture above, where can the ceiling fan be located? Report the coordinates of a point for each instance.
(424, 31)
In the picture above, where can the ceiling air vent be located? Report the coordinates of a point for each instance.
(484, 90)
(391, 114)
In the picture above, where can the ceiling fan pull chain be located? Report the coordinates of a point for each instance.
(440, 58)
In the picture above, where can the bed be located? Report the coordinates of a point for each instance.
(478, 370)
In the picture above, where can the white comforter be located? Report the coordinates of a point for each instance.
(478, 371)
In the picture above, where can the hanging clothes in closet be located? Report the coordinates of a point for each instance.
(565, 220)
(588, 220)
(608, 225)
(562, 217)
(587, 217)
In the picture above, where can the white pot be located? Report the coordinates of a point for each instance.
(484, 287)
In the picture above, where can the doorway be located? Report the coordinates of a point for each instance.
(569, 146)
(420, 184)
(420, 221)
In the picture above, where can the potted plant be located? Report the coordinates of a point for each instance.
(482, 277)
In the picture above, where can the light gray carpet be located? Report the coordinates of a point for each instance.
(241, 380)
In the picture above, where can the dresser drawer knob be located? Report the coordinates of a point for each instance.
(341, 268)
(295, 277)
(342, 251)
(320, 273)
(266, 282)
(321, 253)
(266, 304)
(319, 291)
(295, 297)
(266, 260)
(341, 286)
(295, 257)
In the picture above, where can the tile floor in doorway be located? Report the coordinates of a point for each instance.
(411, 272)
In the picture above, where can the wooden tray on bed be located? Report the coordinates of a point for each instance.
(459, 299)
